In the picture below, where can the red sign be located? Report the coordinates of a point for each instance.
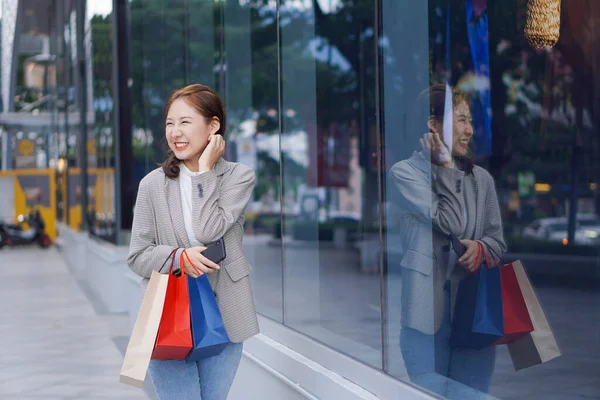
(331, 150)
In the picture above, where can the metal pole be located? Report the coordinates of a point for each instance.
(67, 70)
(5, 149)
(380, 128)
(83, 108)
(122, 116)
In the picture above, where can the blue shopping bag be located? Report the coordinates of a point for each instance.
(478, 319)
(208, 332)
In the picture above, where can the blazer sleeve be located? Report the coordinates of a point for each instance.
(216, 208)
(442, 206)
(493, 233)
(145, 255)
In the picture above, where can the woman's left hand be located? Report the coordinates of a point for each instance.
(469, 259)
(212, 153)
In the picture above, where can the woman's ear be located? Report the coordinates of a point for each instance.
(215, 125)
(433, 124)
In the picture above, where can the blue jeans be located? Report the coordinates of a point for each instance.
(452, 373)
(207, 379)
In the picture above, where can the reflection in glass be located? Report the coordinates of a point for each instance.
(328, 154)
(101, 143)
(534, 125)
(249, 69)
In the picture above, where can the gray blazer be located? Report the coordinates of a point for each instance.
(429, 204)
(219, 198)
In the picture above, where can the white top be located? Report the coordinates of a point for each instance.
(185, 186)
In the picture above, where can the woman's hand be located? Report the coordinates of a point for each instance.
(437, 150)
(195, 264)
(469, 259)
(212, 153)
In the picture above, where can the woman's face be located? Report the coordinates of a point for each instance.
(462, 129)
(187, 131)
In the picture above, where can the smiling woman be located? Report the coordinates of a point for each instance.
(441, 196)
(195, 122)
(194, 200)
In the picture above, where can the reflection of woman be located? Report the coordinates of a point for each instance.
(439, 192)
(194, 199)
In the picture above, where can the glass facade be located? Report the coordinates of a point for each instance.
(327, 101)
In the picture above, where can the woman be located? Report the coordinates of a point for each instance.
(438, 192)
(191, 201)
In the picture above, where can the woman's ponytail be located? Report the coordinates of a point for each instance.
(171, 166)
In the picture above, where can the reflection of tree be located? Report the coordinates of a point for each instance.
(170, 49)
(102, 55)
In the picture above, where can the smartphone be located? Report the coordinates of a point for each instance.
(216, 251)
(458, 247)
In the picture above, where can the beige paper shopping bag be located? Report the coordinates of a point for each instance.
(540, 345)
(143, 336)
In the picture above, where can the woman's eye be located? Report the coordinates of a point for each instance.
(169, 123)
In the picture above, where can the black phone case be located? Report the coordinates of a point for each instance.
(216, 251)
(458, 247)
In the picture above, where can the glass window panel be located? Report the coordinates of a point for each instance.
(202, 43)
(160, 64)
(250, 65)
(404, 32)
(329, 161)
(101, 145)
(531, 123)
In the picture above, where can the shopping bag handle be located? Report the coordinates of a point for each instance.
(181, 261)
(172, 255)
(495, 261)
(482, 250)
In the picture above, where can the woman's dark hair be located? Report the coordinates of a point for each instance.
(435, 98)
(207, 103)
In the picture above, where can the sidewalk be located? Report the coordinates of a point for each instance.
(54, 343)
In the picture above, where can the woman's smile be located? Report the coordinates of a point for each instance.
(181, 145)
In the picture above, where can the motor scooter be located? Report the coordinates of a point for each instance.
(18, 234)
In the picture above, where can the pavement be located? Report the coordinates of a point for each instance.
(59, 343)
(55, 344)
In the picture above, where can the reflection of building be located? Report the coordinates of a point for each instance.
(30, 100)
(41, 120)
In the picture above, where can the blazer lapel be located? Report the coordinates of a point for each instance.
(173, 194)
(221, 167)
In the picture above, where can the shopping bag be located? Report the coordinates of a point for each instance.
(478, 321)
(208, 331)
(539, 346)
(174, 340)
(141, 343)
(517, 322)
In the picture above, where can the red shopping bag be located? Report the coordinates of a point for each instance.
(517, 322)
(174, 339)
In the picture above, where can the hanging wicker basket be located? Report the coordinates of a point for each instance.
(542, 24)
